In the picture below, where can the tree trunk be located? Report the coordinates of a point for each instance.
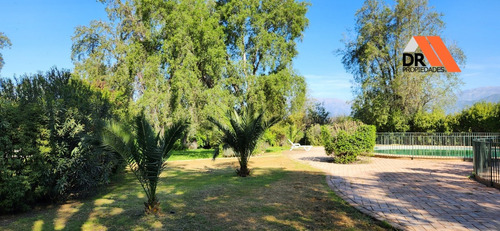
(243, 171)
(152, 207)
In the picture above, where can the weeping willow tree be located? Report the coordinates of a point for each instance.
(242, 129)
(145, 151)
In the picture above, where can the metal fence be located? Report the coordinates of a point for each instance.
(429, 145)
(487, 161)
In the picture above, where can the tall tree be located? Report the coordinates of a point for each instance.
(4, 43)
(190, 57)
(385, 95)
(161, 54)
(261, 41)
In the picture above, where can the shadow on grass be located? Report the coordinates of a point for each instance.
(78, 214)
(211, 199)
(272, 198)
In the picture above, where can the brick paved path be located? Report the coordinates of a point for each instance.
(412, 194)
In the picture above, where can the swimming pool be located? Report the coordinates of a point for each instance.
(427, 152)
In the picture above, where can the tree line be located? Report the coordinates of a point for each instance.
(223, 67)
(169, 61)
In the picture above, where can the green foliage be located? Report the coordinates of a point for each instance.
(429, 122)
(345, 148)
(191, 154)
(162, 56)
(293, 133)
(313, 135)
(280, 94)
(326, 134)
(365, 138)
(4, 43)
(385, 96)
(292, 127)
(14, 189)
(349, 125)
(480, 117)
(242, 130)
(49, 133)
(326, 138)
(318, 114)
(195, 59)
(346, 145)
(261, 35)
(270, 137)
(145, 151)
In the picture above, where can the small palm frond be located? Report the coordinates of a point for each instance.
(175, 132)
(242, 132)
(144, 150)
(117, 138)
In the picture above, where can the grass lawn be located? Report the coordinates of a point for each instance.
(192, 154)
(281, 194)
(209, 153)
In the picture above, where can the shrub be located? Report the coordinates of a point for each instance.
(270, 137)
(326, 139)
(480, 117)
(276, 135)
(348, 125)
(429, 122)
(49, 140)
(313, 135)
(346, 146)
(294, 133)
(14, 190)
(365, 137)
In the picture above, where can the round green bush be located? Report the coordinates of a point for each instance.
(347, 146)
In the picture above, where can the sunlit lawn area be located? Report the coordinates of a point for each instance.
(192, 154)
(208, 153)
(281, 194)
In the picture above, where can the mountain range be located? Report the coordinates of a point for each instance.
(465, 98)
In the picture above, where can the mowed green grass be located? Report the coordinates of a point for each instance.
(192, 154)
(281, 194)
(209, 153)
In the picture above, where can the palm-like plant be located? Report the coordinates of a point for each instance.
(145, 151)
(242, 131)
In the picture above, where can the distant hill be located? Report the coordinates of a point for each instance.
(336, 107)
(467, 98)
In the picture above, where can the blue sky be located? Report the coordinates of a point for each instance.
(474, 26)
(41, 32)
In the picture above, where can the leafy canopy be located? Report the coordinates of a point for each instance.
(386, 96)
(189, 58)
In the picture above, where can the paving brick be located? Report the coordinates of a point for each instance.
(414, 194)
